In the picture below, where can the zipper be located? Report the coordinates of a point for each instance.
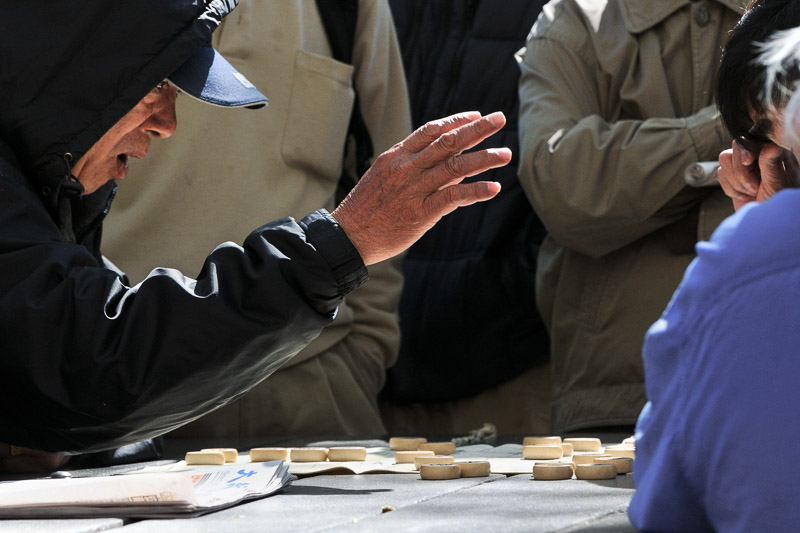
(70, 187)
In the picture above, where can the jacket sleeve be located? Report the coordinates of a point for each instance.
(90, 363)
(599, 184)
(379, 76)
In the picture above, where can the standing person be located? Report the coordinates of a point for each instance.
(90, 362)
(616, 101)
(468, 300)
(283, 162)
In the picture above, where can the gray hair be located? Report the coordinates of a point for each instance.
(781, 58)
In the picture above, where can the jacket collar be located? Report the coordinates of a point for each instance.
(639, 16)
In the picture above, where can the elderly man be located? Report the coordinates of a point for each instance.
(89, 362)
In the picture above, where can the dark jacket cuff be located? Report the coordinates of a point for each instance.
(325, 234)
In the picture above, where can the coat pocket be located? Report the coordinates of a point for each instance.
(319, 114)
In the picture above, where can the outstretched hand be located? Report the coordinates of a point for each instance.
(418, 181)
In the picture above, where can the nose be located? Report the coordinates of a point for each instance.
(163, 120)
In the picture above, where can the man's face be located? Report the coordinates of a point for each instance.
(153, 116)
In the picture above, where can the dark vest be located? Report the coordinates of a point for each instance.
(468, 310)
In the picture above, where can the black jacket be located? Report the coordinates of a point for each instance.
(468, 299)
(86, 361)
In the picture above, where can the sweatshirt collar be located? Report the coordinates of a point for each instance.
(639, 16)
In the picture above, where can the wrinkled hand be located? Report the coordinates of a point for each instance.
(746, 176)
(18, 460)
(418, 181)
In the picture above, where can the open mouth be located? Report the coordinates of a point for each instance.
(122, 165)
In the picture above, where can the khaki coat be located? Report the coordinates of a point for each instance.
(617, 98)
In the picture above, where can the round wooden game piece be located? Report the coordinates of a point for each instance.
(433, 459)
(205, 458)
(439, 448)
(439, 471)
(542, 451)
(586, 458)
(308, 455)
(260, 455)
(595, 471)
(406, 443)
(621, 451)
(231, 454)
(622, 464)
(553, 471)
(585, 444)
(347, 453)
(407, 456)
(567, 448)
(475, 468)
(531, 441)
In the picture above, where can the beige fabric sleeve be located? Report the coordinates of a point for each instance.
(381, 86)
(599, 185)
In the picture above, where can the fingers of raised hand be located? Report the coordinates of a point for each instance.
(738, 181)
(775, 175)
(461, 166)
(450, 198)
(429, 132)
(462, 138)
(770, 163)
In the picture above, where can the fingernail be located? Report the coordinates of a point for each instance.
(497, 118)
(500, 151)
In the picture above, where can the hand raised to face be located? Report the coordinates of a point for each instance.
(418, 181)
(747, 176)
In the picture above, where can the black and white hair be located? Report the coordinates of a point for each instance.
(741, 90)
(780, 60)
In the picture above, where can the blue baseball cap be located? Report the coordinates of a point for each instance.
(209, 77)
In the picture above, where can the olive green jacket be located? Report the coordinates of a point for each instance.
(226, 172)
(617, 99)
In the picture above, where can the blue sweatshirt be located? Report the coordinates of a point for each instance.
(716, 444)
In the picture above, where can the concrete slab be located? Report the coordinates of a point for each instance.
(514, 504)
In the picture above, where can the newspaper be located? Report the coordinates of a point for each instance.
(182, 493)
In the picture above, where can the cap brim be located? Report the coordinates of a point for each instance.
(209, 77)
